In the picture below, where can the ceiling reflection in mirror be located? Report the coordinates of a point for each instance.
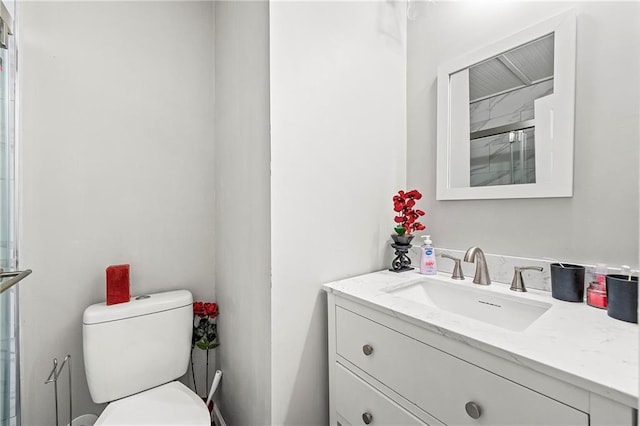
(502, 93)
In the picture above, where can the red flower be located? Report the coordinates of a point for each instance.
(414, 193)
(198, 308)
(205, 327)
(407, 217)
(211, 310)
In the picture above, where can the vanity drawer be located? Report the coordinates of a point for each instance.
(441, 384)
(357, 402)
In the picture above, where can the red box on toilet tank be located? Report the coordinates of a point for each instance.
(118, 284)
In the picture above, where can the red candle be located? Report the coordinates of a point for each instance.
(117, 284)
(596, 296)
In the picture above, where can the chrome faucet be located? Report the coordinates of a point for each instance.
(476, 255)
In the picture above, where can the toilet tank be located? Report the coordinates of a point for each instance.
(134, 346)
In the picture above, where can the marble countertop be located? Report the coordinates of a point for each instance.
(573, 342)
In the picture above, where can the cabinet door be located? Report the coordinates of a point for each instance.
(450, 389)
(357, 403)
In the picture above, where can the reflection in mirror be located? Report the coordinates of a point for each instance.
(502, 92)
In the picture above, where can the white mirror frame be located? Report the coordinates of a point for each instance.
(554, 121)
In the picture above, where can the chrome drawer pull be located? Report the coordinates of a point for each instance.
(367, 349)
(473, 410)
(367, 418)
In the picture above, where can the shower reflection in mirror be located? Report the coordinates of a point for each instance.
(502, 94)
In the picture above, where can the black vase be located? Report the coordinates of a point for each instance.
(402, 239)
(402, 244)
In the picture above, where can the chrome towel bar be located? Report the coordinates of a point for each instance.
(17, 277)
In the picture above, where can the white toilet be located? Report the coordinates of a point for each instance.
(133, 352)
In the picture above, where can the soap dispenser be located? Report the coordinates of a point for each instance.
(427, 257)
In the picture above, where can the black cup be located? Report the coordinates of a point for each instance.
(622, 297)
(567, 283)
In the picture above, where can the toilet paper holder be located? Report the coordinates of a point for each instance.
(53, 378)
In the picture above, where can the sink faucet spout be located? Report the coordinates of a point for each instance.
(476, 255)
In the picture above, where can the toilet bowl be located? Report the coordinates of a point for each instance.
(169, 404)
(133, 354)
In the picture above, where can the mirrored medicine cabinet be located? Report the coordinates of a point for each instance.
(506, 116)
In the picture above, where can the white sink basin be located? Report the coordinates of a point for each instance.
(505, 311)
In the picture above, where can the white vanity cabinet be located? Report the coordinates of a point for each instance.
(386, 370)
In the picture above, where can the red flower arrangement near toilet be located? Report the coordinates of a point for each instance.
(205, 334)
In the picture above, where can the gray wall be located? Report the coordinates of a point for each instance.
(242, 217)
(338, 155)
(116, 127)
(600, 222)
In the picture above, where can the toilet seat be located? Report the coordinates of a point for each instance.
(170, 404)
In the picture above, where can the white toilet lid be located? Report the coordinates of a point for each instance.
(169, 404)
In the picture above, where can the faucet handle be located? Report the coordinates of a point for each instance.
(517, 284)
(457, 269)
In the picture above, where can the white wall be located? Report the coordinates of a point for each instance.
(242, 216)
(600, 222)
(117, 166)
(337, 157)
